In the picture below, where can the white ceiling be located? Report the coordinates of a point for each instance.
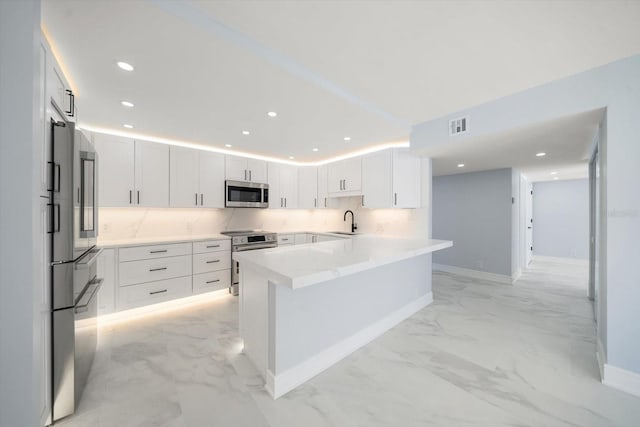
(206, 70)
(567, 142)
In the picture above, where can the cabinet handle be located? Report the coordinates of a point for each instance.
(138, 196)
(201, 199)
(363, 200)
(285, 202)
(158, 269)
(56, 180)
(212, 261)
(213, 246)
(55, 218)
(245, 174)
(157, 292)
(71, 103)
(315, 203)
(395, 199)
(78, 195)
(213, 281)
(325, 202)
(249, 174)
(345, 184)
(158, 251)
(196, 199)
(285, 240)
(130, 196)
(281, 203)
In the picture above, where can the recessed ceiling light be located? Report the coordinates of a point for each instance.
(272, 114)
(125, 66)
(541, 154)
(128, 126)
(554, 173)
(347, 138)
(127, 103)
(228, 145)
(291, 157)
(555, 178)
(315, 149)
(460, 165)
(245, 132)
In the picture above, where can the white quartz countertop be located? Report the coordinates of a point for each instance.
(154, 240)
(304, 265)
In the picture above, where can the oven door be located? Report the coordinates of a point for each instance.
(240, 194)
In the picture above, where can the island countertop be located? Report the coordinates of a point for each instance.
(305, 265)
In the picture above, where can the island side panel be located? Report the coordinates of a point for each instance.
(254, 317)
(337, 316)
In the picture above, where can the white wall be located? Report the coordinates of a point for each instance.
(561, 218)
(19, 194)
(616, 87)
(474, 210)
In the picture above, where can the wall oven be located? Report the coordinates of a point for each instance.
(242, 194)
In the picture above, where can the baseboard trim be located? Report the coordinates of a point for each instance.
(280, 384)
(576, 261)
(600, 357)
(475, 274)
(621, 379)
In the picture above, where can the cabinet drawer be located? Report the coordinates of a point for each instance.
(213, 261)
(213, 281)
(153, 292)
(150, 270)
(211, 246)
(154, 251)
(286, 239)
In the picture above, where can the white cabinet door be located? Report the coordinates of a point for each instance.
(183, 177)
(352, 174)
(323, 193)
(107, 271)
(275, 198)
(406, 179)
(151, 174)
(308, 188)
(257, 170)
(211, 169)
(289, 186)
(236, 168)
(335, 175)
(377, 180)
(115, 170)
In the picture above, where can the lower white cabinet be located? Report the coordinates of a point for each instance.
(107, 271)
(154, 292)
(150, 274)
(286, 239)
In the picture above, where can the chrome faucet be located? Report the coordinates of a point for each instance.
(354, 226)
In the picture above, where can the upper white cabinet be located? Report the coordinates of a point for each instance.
(132, 173)
(344, 178)
(308, 188)
(196, 178)
(283, 186)
(391, 179)
(245, 169)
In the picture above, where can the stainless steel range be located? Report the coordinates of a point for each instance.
(247, 240)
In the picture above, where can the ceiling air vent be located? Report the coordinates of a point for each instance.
(458, 126)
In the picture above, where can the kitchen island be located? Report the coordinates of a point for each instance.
(305, 307)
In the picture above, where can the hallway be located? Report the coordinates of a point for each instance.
(481, 354)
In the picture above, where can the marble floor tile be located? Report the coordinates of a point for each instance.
(483, 354)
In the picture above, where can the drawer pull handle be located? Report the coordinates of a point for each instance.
(157, 292)
(213, 246)
(212, 261)
(158, 252)
(158, 269)
(213, 281)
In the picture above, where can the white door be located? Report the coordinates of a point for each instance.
(151, 174)
(211, 179)
(529, 223)
(257, 170)
(323, 193)
(183, 177)
(115, 170)
(289, 185)
(352, 172)
(377, 180)
(236, 168)
(335, 177)
(406, 179)
(307, 187)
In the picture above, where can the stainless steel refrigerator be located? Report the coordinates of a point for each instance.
(74, 229)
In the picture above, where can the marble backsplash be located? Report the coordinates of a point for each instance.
(128, 223)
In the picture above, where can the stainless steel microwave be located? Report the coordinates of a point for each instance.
(242, 194)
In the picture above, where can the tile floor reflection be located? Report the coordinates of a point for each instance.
(482, 354)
